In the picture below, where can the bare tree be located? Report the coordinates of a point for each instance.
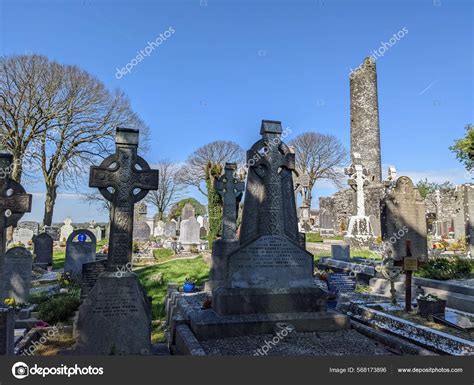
(58, 118)
(320, 156)
(169, 188)
(95, 198)
(28, 91)
(195, 171)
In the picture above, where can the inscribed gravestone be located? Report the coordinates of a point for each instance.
(170, 229)
(270, 272)
(188, 211)
(141, 230)
(91, 272)
(43, 249)
(14, 202)
(18, 265)
(23, 235)
(52, 231)
(159, 229)
(404, 222)
(115, 318)
(66, 230)
(80, 249)
(189, 233)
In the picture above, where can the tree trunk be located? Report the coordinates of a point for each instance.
(309, 195)
(17, 168)
(51, 193)
(214, 206)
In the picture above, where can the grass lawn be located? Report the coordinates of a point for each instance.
(155, 280)
(58, 259)
(163, 255)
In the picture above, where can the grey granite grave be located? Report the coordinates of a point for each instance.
(18, 265)
(115, 318)
(79, 252)
(341, 252)
(43, 249)
(230, 188)
(268, 277)
(91, 271)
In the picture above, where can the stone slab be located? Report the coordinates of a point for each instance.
(207, 324)
(264, 301)
(115, 318)
(270, 261)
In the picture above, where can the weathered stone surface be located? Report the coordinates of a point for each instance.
(91, 272)
(341, 252)
(187, 211)
(66, 230)
(230, 189)
(18, 265)
(170, 229)
(79, 251)
(133, 174)
(403, 221)
(227, 301)
(43, 249)
(141, 230)
(270, 206)
(159, 229)
(54, 232)
(23, 235)
(189, 232)
(365, 130)
(271, 261)
(115, 318)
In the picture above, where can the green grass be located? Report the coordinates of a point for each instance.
(163, 255)
(173, 272)
(59, 257)
(102, 243)
(313, 237)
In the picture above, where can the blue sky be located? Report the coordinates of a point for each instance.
(230, 64)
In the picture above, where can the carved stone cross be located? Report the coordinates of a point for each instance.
(358, 180)
(124, 179)
(230, 189)
(14, 203)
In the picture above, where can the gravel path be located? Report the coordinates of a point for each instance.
(339, 343)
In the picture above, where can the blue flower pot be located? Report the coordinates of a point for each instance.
(189, 287)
